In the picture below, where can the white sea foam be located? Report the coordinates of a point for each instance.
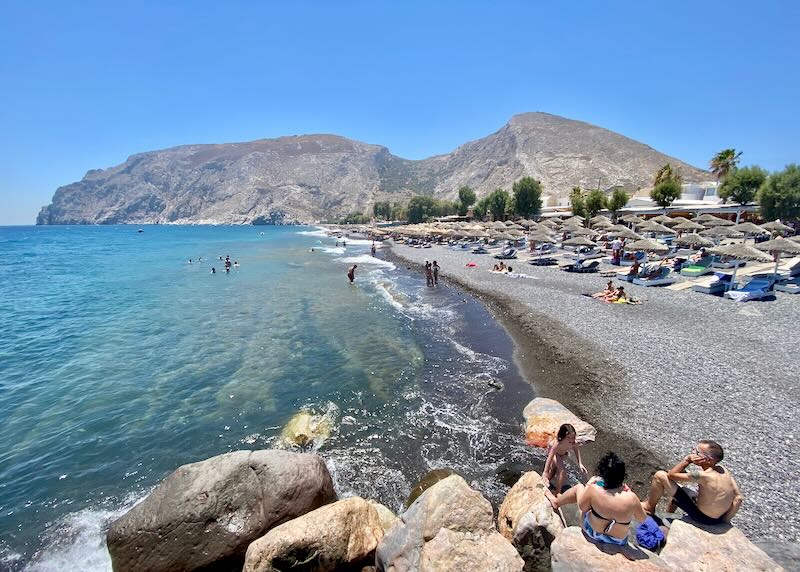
(319, 232)
(333, 249)
(77, 542)
(388, 295)
(367, 259)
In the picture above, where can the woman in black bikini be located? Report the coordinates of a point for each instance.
(607, 504)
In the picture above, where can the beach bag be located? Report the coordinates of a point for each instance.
(649, 535)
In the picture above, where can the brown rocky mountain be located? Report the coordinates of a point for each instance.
(310, 177)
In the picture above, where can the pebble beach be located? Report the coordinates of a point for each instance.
(680, 367)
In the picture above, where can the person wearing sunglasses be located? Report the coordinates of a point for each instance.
(718, 497)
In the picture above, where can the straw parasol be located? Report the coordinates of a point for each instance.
(663, 219)
(578, 241)
(504, 236)
(582, 232)
(703, 217)
(631, 218)
(721, 232)
(688, 225)
(678, 220)
(541, 237)
(739, 251)
(693, 240)
(576, 218)
(514, 226)
(515, 233)
(778, 246)
(526, 223)
(498, 225)
(748, 228)
(620, 231)
(775, 226)
(649, 226)
(718, 222)
(549, 223)
(602, 222)
(647, 245)
(509, 223)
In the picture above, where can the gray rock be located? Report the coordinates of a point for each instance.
(573, 552)
(310, 177)
(427, 481)
(205, 514)
(338, 536)
(449, 527)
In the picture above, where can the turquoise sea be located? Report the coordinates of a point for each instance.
(120, 361)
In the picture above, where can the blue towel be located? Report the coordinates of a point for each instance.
(649, 535)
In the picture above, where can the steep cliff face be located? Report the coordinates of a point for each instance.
(315, 176)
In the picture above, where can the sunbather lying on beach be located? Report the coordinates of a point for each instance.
(607, 292)
(607, 504)
(718, 496)
(616, 296)
(557, 452)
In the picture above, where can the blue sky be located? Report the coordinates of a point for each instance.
(84, 85)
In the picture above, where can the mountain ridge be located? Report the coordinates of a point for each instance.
(308, 177)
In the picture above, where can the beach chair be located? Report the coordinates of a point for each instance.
(717, 286)
(794, 269)
(663, 278)
(699, 268)
(582, 268)
(788, 285)
(546, 261)
(754, 290)
(480, 250)
(639, 255)
(507, 254)
(721, 262)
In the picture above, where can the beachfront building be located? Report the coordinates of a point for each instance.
(696, 198)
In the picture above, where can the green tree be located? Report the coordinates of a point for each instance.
(779, 197)
(666, 186)
(496, 203)
(398, 212)
(595, 202)
(724, 162)
(741, 186)
(466, 198)
(421, 208)
(666, 193)
(382, 210)
(481, 208)
(619, 198)
(578, 202)
(527, 197)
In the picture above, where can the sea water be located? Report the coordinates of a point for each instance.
(120, 361)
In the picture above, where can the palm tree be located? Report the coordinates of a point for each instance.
(724, 162)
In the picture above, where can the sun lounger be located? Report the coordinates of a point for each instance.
(480, 250)
(717, 286)
(718, 263)
(790, 285)
(663, 278)
(507, 254)
(582, 268)
(794, 269)
(754, 290)
(547, 261)
(699, 268)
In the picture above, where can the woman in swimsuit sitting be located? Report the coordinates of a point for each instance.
(607, 504)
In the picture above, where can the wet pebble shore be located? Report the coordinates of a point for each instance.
(688, 366)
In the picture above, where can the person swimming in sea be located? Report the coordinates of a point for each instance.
(236, 264)
(190, 261)
(213, 270)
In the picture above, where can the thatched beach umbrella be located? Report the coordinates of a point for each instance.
(575, 218)
(647, 245)
(688, 225)
(578, 241)
(498, 225)
(514, 226)
(776, 226)
(603, 222)
(739, 251)
(748, 228)
(582, 232)
(721, 232)
(525, 223)
(778, 246)
(503, 236)
(703, 217)
(662, 219)
(549, 223)
(620, 231)
(649, 226)
(693, 240)
(712, 222)
(541, 237)
(633, 219)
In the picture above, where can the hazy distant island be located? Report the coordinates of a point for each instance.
(313, 177)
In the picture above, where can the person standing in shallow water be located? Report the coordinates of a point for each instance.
(351, 274)
(435, 273)
(428, 274)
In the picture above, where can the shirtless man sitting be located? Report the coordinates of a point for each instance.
(718, 497)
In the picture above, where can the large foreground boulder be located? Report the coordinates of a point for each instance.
(544, 416)
(448, 528)
(528, 521)
(725, 548)
(333, 537)
(204, 515)
(571, 551)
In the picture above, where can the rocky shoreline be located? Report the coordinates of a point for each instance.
(271, 511)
